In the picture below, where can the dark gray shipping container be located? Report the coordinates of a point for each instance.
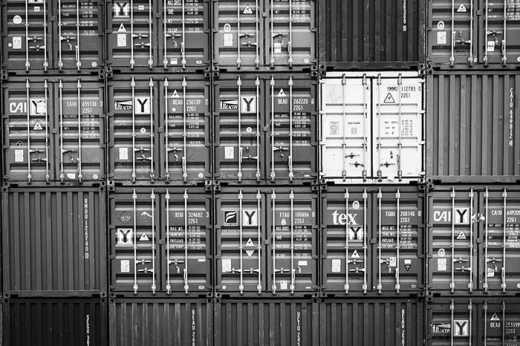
(372, 240)
(55, 322)
(156, 35)
(54, 241)
(371, 33)
(474, 244)
(473, 131)
(368, 322)
(472, 32)
(260, 139)
(473, 321)
(266, 241)
(264, 34)
(54, 130)
(60, 36)
(266, 322)
(159, 322)
(160, 130)
(160, 241)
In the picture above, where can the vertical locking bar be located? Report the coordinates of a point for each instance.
(271, 23)
(168, 283)
(343, 127)
(239, 87)
(60, 58)
(27, 63)
(365, 118)
(485, 322)
(165, 37)
(273, 172)
(150, 86)
(273, 201)
(347, 286)
(470, 57)
(378, 115)
(290, 43)
(132, 85)
(452, 282)
(239, 61)
(80, 170)
(45, 61)
(470, 283)
(504, 242)
(398, 242)
(78, 57)
(166, 125)
(257, 109)
(184, 133)
(152, 198)
(365, 246)
(259, 240)
(486, 34)
(452, 321)
(62, 150)
(322, 113)
(241, 241)
(46, 90)
(183, 44)
(186, 282)
(134, 200)
(257, 37)
(150, 58)
(504, 322)
(504, 42)
(291, 170)
(452, 56)
(293, 269)
(379, 244)
(132, 58)
(28, 113)
(470, 329)
(399, 125)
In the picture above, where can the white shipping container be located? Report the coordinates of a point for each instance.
(372, 127)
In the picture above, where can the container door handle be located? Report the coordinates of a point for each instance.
(166, 120)
(290, 43)
(186, 282)
(150, 86)
(239, 89)
(398, 242)
(293, 270)
(452, 44)
(241, 247)
(380, 259)
(273, 172)
(347, 224)
(257, 84)
(343, 127)
(28, 113)
(452, 282)
(273, 201)
(399, 125)
(168, 283)
(365, 119)
(259, 239)
(152, 197)
(80, 170)
(365, 285)
(504, 241)
(78, 56)
(62, 149)
(134, 199)
(239, 61)
(378, 115)
(185, 133)
(60, 58)
(257, 38)
(291, 170)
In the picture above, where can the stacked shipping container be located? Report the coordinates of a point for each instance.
(222, 172)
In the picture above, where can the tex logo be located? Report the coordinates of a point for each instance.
(247, 104)
(355, 231)
(121, 10)
(249, 217)
(460, 217)
(37, 106)
(141, 104)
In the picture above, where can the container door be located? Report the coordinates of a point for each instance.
(397, 110)
(241, 242)
(187, 242)
(238, 126)
(345, 242)
(453, 35)
(79, 36)
(291, 126)
(290, 33)
(345, 129)
(453, 235)
(134, 241)
(500, 323)
(132, 41)
(453, 322)
(184, 33)
(292, 243)
(237, 41)
(185, 108)
(500, 248)
(398, 234)
(500, 32)
(28, 141)
(80, 122)
(28, 36)
(133, 143)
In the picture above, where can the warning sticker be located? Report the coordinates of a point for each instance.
(441, 37)
(18, 155)
(491, 46)
(336, 265)
(389, 98)
(125, 266)
(228, 39)
(17, 42)
(123, 153)
(226, 265)
(229, 153)
(462, 8)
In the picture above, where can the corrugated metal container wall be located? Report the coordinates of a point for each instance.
(54, 130)
(160, 130)
(266, 241)
(160, 36)
(265, 34)
(371, 33)
(160, 241)
(54, 241)
(55, 322)
(278, 143)
(372, 240)
(159, 322)
(369, 322)
(266, 322)
(470, 32)
(473, 132)
(473, 321)
(371, 127)
(60, 36)
(473, 240)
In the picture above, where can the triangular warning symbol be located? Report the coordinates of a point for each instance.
(144, 237)
(250, 243)
(121, 28)
(462, 8)
(355, 254)
(461, 236)
(283, 222)
(494, 317)
(37, 127)
(251, 249)
(281, 93)
(175, 94)
(389, 98)
(248, 10)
